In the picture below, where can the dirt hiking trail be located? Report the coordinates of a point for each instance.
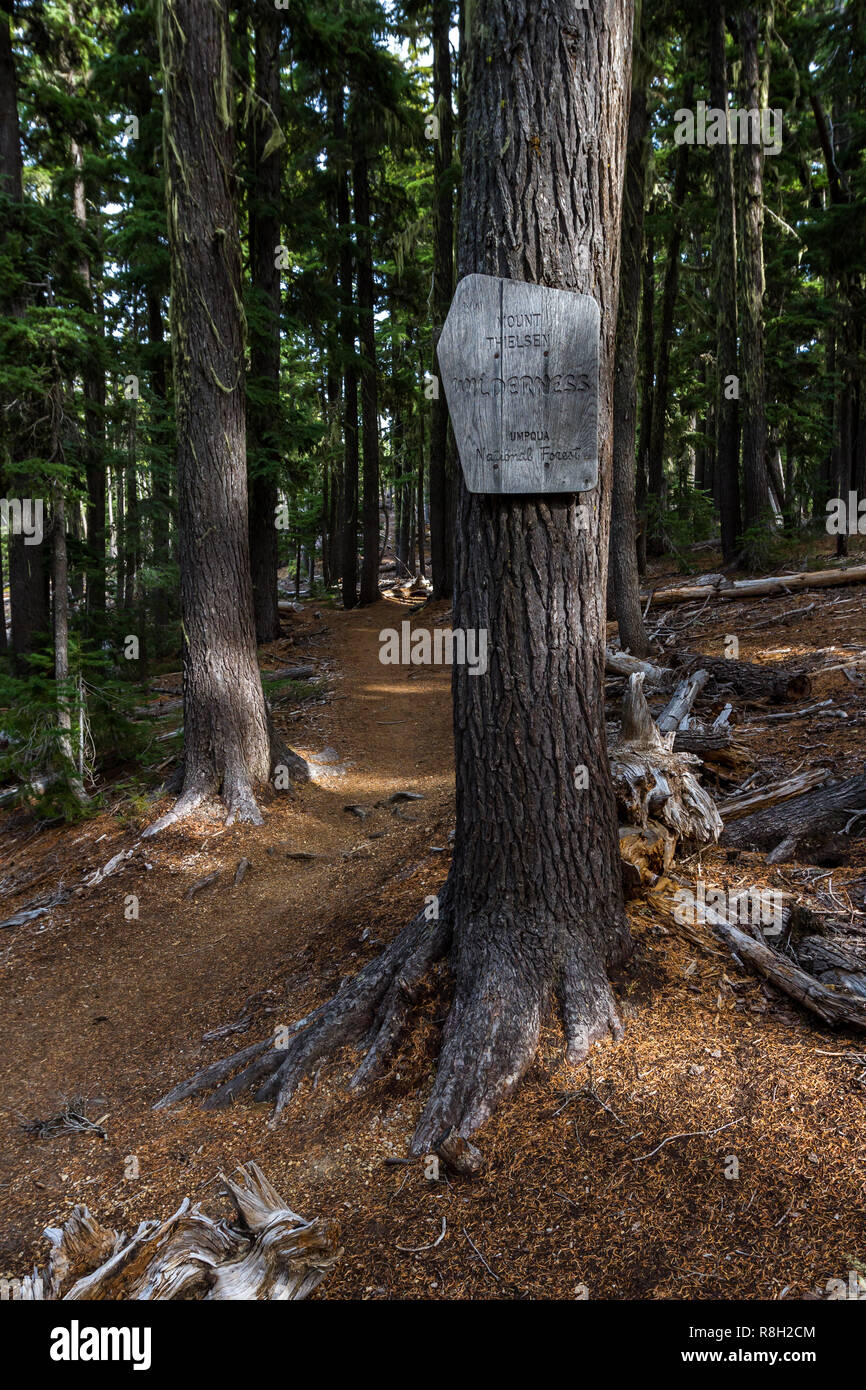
(116, 1010)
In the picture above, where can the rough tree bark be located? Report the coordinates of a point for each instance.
(533, 909)
(227, 741)
(789, 828)
(264, 238)
(623, 531)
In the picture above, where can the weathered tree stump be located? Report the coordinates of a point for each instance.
(268, 1253)
(656, 790)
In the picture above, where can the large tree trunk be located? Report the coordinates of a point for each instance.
(442, 462)
(226, 736)
(533, 908)
(727, 482)
(264, 235)
(755, 481)
(623, 539)
(369, 385)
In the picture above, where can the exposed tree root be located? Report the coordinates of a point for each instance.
(186, 803)
(500, 1003)
(237, 789)
(369, 1011)
(490, 1036)
(282, 756)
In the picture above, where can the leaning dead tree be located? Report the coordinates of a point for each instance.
(267, 1252)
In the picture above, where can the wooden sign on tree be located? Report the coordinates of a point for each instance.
(520, 368)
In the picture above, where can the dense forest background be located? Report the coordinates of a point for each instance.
(740, 404)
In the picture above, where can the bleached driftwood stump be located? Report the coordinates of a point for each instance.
(267, 1253)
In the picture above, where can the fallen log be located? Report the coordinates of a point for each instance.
(37, 787)
(266, 1253)
(784, 827)
(747, 803)
(621, 664)
(718, 751)
(832, 965)
(834, 1005)
(681, 701)
(288, 673)
(755, 588)
(749, 680)
(158, 711)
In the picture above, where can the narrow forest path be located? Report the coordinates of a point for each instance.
(97, 1004)
(382, 733)
(615, 1177)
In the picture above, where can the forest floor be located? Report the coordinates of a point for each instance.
(578, 1192)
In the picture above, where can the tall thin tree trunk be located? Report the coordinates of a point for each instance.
(442, 462)
(349, 507)
(647, 392)
(369, 383)
(726, 473)
(264, 237)
(133, 523)
(623, 547)
(120, 589)
(419, 496)
(655, 470)
(755, 481)
(94, 410)
(59, 585)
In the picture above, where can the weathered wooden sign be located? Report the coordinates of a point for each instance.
(519, 364)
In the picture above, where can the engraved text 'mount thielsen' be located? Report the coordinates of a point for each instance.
(519, 364)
